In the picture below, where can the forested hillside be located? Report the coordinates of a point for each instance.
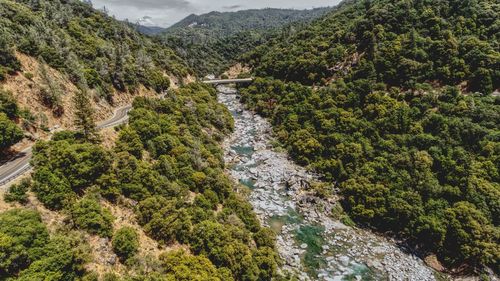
(210, 42)
(50, 50)
(215, 25)
(89, 46)
(165, 170)
(144, 201)
(398, 43)
(401, 118)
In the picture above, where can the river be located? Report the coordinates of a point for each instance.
(312, 244)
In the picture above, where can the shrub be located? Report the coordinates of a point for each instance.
(61, 258)
(17, 192)
(10, 133)
(183, 267)
(125, 243)
(28, 75)
(22, 236)
(265, 237)
(8, 104)
(129, 141)
(88, 214)
(51, 190)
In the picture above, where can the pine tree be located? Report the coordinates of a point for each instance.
(50, 91)
(84, 115)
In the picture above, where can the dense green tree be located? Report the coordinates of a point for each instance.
(10, 133)
(265, 237)
(61, 259)
(54, 192)
(68, 163)
(183, 267)
(22, 238)
(125, 242)
(165, 220)
(84, 114)
(8, 105)
(88, 214)
(401, 159)
(266, 261)
(129, 141)
(8, 61)
(470, 236)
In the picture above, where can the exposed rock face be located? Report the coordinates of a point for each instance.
(311, 243)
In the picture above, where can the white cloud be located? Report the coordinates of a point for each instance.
(168, 12)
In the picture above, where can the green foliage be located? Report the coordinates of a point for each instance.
(18, 192)
(211, 42)
(125, 242)
(400, 159)
(22, 238)
(395, 42)
(265, 237)
(88, 214)
(65, 168)
(130, 142)
(180, 266)
(164, 220)
(84, 115)
(28, 75)
(9, 113)
(63, 258)
(54, 192)
(10, 133)
(470, 236)
(8, 61)
(219, 244)
(67, 33)
(27, 252)
(8, 105)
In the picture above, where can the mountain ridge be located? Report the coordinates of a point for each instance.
(218, 38)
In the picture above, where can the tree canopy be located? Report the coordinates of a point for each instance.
(391, 101)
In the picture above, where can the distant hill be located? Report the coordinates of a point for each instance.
(210, 42)
(224, 24)
(149, 30)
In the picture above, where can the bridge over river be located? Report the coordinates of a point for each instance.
(227, 81)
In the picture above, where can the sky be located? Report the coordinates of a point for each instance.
(167, 12)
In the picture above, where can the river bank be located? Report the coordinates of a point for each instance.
(311, 243)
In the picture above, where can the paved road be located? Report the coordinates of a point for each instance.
(18, 165)
(120, 117)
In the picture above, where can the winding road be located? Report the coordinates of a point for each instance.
(19, 164)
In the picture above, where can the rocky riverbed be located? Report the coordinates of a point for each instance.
(311, 243)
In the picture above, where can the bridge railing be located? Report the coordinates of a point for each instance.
(228, 81)
(26, 168)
